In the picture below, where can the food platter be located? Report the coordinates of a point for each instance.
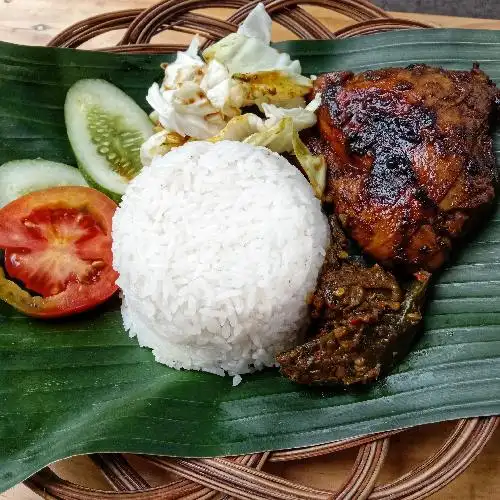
(321, 53)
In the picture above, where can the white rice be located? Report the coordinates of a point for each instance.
(217, 247)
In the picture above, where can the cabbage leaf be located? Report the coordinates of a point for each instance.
(284, 138)
(274, 86)
(257, 25)
(249, 50)
(314, 166)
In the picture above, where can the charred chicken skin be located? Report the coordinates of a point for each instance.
(410, 165)
(410, 158)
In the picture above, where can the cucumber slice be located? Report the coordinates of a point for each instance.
(106, 129)
(20, 177)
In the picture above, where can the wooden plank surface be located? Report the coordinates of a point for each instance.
(35, 22)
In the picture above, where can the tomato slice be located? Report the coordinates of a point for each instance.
(57, 243)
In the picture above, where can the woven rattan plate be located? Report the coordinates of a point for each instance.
(242, 477)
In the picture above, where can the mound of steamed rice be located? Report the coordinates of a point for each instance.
(217, 247)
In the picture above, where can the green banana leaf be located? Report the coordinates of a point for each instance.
(82, 386)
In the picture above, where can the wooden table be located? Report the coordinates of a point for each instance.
(35, 22)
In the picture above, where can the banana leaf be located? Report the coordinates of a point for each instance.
(82, 386)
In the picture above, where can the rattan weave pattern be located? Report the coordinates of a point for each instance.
(242, 477)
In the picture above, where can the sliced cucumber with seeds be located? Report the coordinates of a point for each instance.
(106, 129)
(20, 177)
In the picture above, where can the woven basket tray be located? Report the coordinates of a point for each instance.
(242, 477)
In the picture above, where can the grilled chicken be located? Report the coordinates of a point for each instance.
(362, 320)
(410, 158)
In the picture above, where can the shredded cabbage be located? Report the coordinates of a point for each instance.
(202, 98)
(241, 54)
(302, 117)
(248, 50)
(186, 67)
(277, 138)
(271, 86)
(199, 97)
(160, 144)
(216, 84)
(186, 110)
(284, 138)
(239, 128)
(314, 166)
(257, 25)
